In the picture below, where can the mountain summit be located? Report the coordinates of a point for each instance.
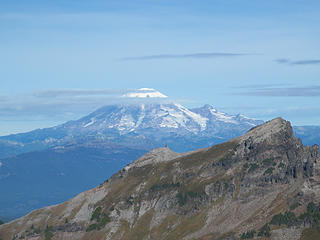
(145, 93)
(263, 185)
(148, 124)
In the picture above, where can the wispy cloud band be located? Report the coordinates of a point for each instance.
(183, 56)
(298, 62)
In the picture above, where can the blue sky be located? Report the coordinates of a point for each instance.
(259, 58)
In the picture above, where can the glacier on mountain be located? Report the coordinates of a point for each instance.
(141, 122)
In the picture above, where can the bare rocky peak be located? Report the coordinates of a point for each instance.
(268, 131)
(275, 140)
(155, 156)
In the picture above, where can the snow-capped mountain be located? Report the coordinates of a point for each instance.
(149, 125)
(61, 161)
(137, 118)
(142, 123)
(223, 125)
(165, 118)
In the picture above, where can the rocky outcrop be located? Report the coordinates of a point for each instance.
(240, 188)
(157, 155)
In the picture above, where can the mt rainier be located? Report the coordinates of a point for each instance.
(48, 166)
(148, 121)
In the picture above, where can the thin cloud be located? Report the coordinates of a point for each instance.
(184, 56)
(78, 92)
(306, 62)
(306, 91)
(298, 62)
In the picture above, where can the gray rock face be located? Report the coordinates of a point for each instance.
(274, 143)
(219, 192)
(157, 155)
